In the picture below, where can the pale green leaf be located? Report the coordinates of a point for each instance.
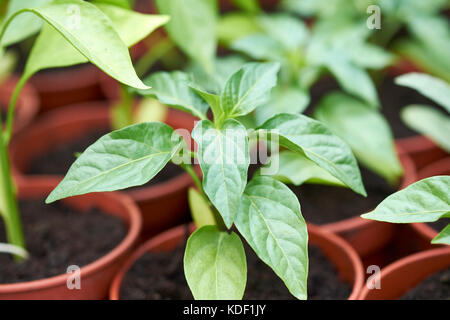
(173, 89)
(251, 6)
(193, 27)
(121, 159)
(425, 201)
(296, 169)
(236, 25)
(364, 129)
(271, 221)
(215, 265)
(224, 159)
(443, 237)
(200, 209)
(80, 23)
(248, 88)
(431, 87)
(311, 138)
(259, 46)
(430, 122)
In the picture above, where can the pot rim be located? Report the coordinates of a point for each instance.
(410, 176)
(134, 226)
(179, 231)
(99, 110)
(417, 143)
(404, 262)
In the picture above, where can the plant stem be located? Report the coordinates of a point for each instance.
(217, 217)
(12, 107)
(8, 200)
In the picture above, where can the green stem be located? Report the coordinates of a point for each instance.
(9, 208)
(153, 55)
(217, 217)
(12, 107)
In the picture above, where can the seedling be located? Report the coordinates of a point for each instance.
(425, 201)
(265, 211)
(71, 32)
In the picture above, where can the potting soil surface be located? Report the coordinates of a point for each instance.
(435, 287)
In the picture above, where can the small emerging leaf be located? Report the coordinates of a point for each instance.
(215, 265)
(200, 209)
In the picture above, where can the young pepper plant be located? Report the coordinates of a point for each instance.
(265, 211)
(427, 200)
(74, 32)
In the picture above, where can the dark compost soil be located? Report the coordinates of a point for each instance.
(59, 160)
(435, 287)
(160, 276)
(326, 204)
(58, 236)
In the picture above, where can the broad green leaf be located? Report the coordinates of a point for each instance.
(369, 56)
(286, 29)
(80, 23)
(236, 25)
(364, 129)
(296, 169)
(283, 100)
(248, 88)
(173, 89)
(224, 159)
(119, 3)
(311, 138)
(200, 209)
(24, 25)
(425, 201)
(121, 159)
(215, 265)
(431, 87)
(352, 78)
(443, 237)
(212, 99)
(430, 122)
(192, 27)
(271, 221)
(259, 46)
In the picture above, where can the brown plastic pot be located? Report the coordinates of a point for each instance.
(163, 205)
(369, 236)
(403, 275)
(424, 231)
(96, 276)
(341, 254)
(27, 104)
(67, 86)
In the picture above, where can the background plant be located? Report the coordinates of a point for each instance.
(63, 41)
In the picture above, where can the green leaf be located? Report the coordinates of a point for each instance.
(80, 23)
(425, 201)
(236, 25)
(212, 99)
(251, 6)
(200, 209)
(150, 110)
(173, 89)
(23, 26)
(443, 237)
(431, 87)
(121, 159)
(369, 56)
(289, 31)
(296, 169)
(352, 78)
(364, 129)
(215, 265)
(224, 159)
(271, 221)
(118, 3)
(311, 138)
(248, 88)
(283, 100)
(259, 47)
(430, 122)
(193, 27)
